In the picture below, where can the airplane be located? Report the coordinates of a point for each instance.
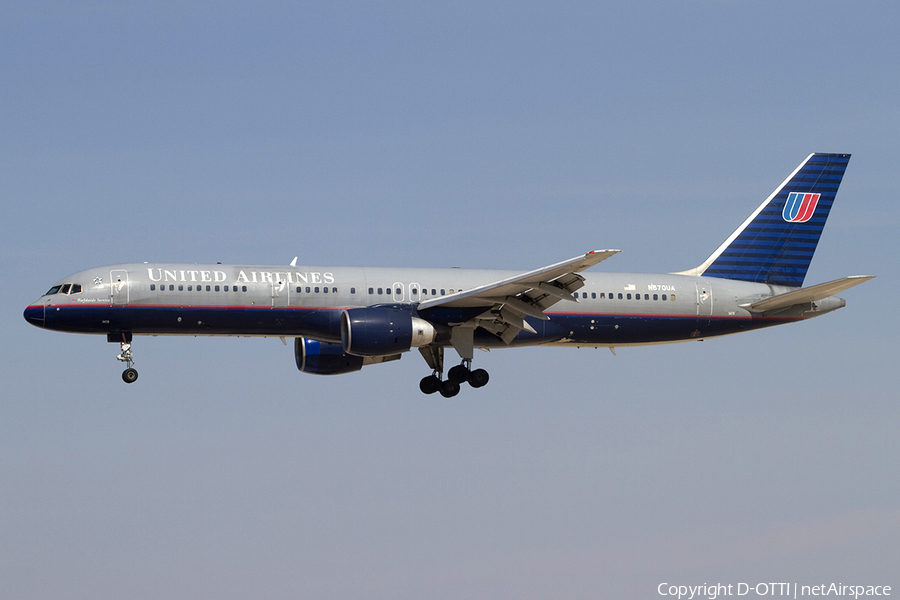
(345, 318)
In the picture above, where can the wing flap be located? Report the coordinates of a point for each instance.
(807, 294)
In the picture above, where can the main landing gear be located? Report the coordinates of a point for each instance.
(130, 374)
(456, 376)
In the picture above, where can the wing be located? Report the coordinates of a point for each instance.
(507, 302)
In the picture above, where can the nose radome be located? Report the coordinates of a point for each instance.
(34, 314)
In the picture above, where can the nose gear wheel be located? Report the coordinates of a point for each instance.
(130, 374)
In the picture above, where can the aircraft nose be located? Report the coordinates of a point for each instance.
(34, 314)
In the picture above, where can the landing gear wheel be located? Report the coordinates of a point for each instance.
(130, 374)
(478, 378)
(458, 374)
(430, 384)
(449, 388)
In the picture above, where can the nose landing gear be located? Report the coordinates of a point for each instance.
(130, 374)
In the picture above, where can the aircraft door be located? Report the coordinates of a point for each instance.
(281, 294)
(118, 287)
(704, 299)
(397, 292)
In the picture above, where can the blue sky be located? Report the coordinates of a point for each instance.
(483, 135)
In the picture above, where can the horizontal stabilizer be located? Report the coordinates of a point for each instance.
(808, 294)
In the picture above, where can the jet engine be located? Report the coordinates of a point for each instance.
(324, 358)
(379, 331)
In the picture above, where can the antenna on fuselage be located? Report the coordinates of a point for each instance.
(294, 262)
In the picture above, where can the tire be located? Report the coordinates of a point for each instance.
(458, 374)
(478, 378)
(449, 389)
(129, 375)
(430, 384)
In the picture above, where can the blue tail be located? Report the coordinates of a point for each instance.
(776, 243)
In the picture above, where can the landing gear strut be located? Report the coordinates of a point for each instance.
(130, 374)
(456, 376)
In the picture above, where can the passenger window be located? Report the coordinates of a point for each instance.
(217, 288)
(334, 290)
(180, 287)
(629, 296)
(307, 289)
(172, 287)
(371, 290)
(325, 289)
(593, 295)
(243, 288)
(353, 290)
(442, 292)
(316, 289)
(298, 289)
(620, 295)
(655, 297)
(152, 287)
(380, 291)
(673, 296)
(433, 292)
(646, 296)
(208, 288)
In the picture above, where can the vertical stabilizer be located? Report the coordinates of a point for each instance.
(776, 243)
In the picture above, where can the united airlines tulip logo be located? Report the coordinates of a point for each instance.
(800, 207)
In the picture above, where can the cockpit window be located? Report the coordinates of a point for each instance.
(65, 288)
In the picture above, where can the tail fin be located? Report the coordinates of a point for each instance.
(776, 243)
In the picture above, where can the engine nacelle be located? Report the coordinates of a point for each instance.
(324, 358)
(381, 331)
